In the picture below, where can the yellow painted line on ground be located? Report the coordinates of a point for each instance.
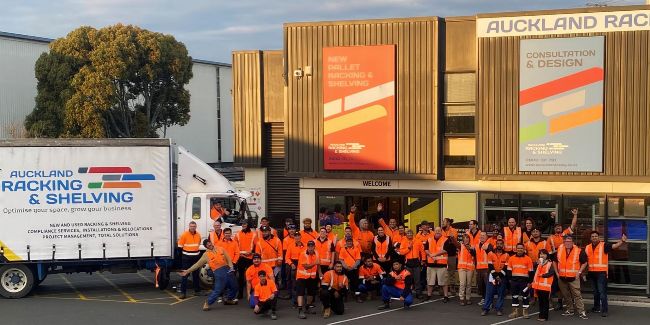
(109, 300)
(182, 300)
(81, 296)
(166, 291)
(124, 293)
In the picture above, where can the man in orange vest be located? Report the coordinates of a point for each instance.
(361, 233)
(189, 243)
(391, 229)
(287, 241)
(224, 274)
(288, 222)
(535, 244)
(307, 279)
(370, 277)
(570, 264)
(450, 232)
(412, 252)
(383, 249)
(246, 240)
(266, 295)
(474, 233)
(252, 277)
(217, 211)
(482, 270)
(350, 256)
(291, 258)
(216, 235)
(334, 288)
(557, 238)
(264, 222)
(229, 245)
(497, 262)
(521, 272)
(270, 247)
(308, 233)
(398, 284)
(325, 249)
(436, 249)
(598, 259)
(512, 236)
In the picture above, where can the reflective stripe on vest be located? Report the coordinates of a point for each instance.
(541, 283)
(482, 257)
(465, 259)
(598, 260)
(438, 245)
(399, 278)
(303, 273)
(512, 238)
(324, 250)
(568, 265)
(381, 248)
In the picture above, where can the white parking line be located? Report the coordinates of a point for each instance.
(384, 312)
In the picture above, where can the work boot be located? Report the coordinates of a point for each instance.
(514, 313)
(384, 306)
(484, 312)
(230, 302)
(206, 307)
(327, 313)
(182, 296)
(301, 314)
(499, 313)
(311, 309)
(462, 302)
(274, 316)
(525, 313)
(480, 303)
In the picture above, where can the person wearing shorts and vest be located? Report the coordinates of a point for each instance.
(436, 250)
(307, 279)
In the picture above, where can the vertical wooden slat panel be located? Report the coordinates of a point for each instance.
(248, 109)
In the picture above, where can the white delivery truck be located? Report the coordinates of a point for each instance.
(119, 205)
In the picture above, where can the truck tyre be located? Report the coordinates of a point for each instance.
(16, 280)
(206, 277)
(163, 278)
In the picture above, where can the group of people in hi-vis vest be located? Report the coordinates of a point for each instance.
(399, 264)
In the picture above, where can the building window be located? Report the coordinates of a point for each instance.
(460, 119)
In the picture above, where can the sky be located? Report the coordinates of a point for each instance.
(212, 29)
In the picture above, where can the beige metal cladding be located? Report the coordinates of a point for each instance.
(416, 41)
(273, 87)
(248, 104)
(627, 110)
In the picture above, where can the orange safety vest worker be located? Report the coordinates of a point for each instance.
(422, 237)
(400, 278)
(264, 291)
(520, 265)
(334, 280)
(434, 247)
(554, 241)
(246, 242)
(482, 256)
(216, 258)
(364, 237)
(411, 249)
(190, 243)
(474, 240)
(465, 259)
(231, 247)
(288, 242)
(333, 237)
(270, 250)
(381, 248)
(541, 283)
(252, 274)
(450, 232)
(215, 238)
(349, 256)
(258, 232)
(367, 273)
(306, 258)
(309, 235)
(324, 249)
(533, 248)
(216, 213)
(598, 259)
(341, 243)
(390, 232)
(568, 264)
(498, 260)
(293, 253)
(511, 238)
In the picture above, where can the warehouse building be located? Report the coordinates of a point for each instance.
(518, 114)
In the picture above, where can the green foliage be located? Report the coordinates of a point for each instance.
(118, 81)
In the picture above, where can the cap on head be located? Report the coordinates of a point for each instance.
(257, 256)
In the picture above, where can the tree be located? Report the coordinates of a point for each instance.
(118, 81)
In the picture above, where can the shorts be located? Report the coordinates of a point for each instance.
(310, 286)
(437, 274)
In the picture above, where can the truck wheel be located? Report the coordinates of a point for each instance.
(16, 280)
(163, 279)
(206, 277)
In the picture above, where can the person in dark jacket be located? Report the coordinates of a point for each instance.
(398, 285)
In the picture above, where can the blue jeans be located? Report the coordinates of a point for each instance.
(491, 289)
(388, 292)
(599, 283)
(222, 280)
(368, 287)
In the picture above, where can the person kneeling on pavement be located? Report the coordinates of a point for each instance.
(398, 285)
(334, 287)
(370, 277)
(224, 274)
(266, 295)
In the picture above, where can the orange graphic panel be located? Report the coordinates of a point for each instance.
(359, 107)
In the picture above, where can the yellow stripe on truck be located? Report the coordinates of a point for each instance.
(9, 254)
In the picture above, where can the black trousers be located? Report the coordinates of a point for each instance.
(242, 265)
(544, 298)
(268, 305)
(329, 301)
(353, 276)
(187, 261)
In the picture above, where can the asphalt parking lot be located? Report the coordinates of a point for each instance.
(132, 299)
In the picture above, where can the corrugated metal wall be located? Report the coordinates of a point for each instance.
(273, 86)
(282, 194)
(247, 103)
(627, 109)
(417, 91)
(17, 83)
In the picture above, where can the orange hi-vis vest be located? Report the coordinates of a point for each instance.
(214, 238)
(190, 243)
(474, 240)
(598, 259)
(324, 249)
(450, 232)
(568, 264)
(270, 250)
(265, 291)
(482, 256)
(381, 248)
(436, 246)
(498, 260)
(294, 252)
(306, 258)
(533, 248)
(307, 236)
(400, 278)
(231, 247)
(349, 255)
(246, 241)
(540, 283)
(421, 237)
(411, 249)
(555, 240)
(520, 265)
(364, 237)
(465, 259)
(370, 272)
(216, 258)
(390, 232)
(511, 238)
(333, 237)
(334, 280)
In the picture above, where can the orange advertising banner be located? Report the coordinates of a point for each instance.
(359, 107)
